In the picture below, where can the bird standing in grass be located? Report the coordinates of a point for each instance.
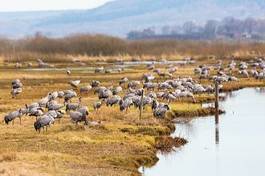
(16, 88)
(74, 83)
(80, 115)
(12, 116)
(44, 121)
(97, 105)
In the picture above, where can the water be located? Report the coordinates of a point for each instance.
(156, 62)
(113, 66)
(235, 147)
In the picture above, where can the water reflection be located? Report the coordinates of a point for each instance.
(228, 144)
(217, 133)
(260, 90)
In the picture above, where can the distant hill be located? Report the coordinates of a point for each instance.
(121, 16)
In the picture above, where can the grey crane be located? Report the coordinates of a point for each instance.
(73, 106)
(56, 114)
(133, 84)
(53, 95)
(15, 92)
(16, 87)
(99, 69)
(69, 94)
(85, 89)
(113, 100)
(12, 116)
(43, 102)
(172, 70)
(74, 83)
(44, 121)
(97, 105)
(123, 80)
(104, 94)
(116, 90)
(68, 72)
(80, 115)
(42, 64)
(125, 104)
(147, 77)
(95, 83)
(36, 111)
(150, 85)
(54, 105)
(159, 109)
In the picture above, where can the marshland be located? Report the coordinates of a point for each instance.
(136, 95)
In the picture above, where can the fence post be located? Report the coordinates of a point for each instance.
(216, 102)
(216, 112)
(141, 104)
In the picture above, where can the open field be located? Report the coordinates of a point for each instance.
(118, 146)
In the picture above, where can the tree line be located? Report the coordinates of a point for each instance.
(228, 28)
(100, 45)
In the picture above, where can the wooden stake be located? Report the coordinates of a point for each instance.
(216, 102)
(141, 104)
(216, 112)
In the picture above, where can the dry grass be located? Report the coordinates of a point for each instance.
(100, 47)
(243, 83)
(166, 143)
(118, 147)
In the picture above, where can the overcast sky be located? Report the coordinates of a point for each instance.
(29, 5)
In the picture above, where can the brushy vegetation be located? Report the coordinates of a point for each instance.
(100, 45)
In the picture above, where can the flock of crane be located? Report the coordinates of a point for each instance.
(147, 91)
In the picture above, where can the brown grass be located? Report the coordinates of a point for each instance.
(196, 113)
(166, 143)
(8, 157)
(118, 147)
(62, 49)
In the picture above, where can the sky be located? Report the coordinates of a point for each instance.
(35, 5)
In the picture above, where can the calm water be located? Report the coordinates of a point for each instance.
(238, 148)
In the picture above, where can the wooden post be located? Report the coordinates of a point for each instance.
(216, 112)
(141, 104)
(216, 102)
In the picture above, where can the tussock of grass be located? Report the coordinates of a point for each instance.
(228, 87)
(8, 157)
(137, 161)
(72, 128)
(190, 110)
(185, 106)
(146, 130)
(196, 113)
(204, 98)
(166, 143)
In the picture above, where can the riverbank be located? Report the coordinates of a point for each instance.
(118, 146)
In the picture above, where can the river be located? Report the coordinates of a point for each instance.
(236, 146)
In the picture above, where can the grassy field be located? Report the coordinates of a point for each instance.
(117, 147)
